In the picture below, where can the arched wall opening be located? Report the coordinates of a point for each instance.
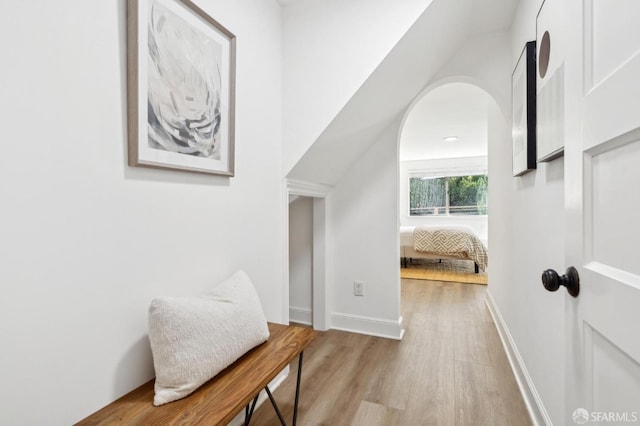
(460, 107)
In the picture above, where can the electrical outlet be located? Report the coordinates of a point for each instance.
(358, 288)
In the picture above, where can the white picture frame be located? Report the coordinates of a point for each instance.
(550, 80)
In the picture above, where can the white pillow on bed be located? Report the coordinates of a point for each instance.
(193, 339)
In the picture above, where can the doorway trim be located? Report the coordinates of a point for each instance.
(320, 300)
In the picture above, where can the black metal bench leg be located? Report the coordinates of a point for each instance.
(275, 406)
(476, 268)
(248, 413)
(295, 406)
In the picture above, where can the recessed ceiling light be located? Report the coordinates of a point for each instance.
(451, 139)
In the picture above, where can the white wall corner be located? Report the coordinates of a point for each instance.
(532, 400)
(307, 189)
(300, 315)
(378, 327)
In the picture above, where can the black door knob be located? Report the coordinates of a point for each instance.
(552, 281)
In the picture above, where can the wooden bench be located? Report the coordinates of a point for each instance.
(219, 400)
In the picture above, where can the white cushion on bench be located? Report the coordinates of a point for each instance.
(193, 339)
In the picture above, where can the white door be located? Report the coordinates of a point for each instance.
(602, 201)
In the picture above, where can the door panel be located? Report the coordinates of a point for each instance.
(608, 304)
(613, 208)
(614, 31)
(611, 44)
(615, 376)
(602, 200)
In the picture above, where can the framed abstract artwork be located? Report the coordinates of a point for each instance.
(180, 88)
(550, 27)
(523, 95)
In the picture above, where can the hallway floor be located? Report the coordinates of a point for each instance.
(450, 369)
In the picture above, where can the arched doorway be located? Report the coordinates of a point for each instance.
(443, 152)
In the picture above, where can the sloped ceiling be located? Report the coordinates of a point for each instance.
(437, 34)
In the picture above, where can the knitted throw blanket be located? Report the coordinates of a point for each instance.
(450, 242)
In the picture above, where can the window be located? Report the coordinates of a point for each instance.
(448, 195)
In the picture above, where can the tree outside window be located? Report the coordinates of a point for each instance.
(448, 195)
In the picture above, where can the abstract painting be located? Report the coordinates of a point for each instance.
(523, 83)
(550, 27)
(181, 88)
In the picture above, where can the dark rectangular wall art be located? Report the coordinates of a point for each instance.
(523, 84)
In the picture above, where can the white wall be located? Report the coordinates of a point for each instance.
(86, 242)
(363, 216)
(482, 61)
(363, 224)
(300, 259)
(470, 165)
(330, 48)
(527, 218)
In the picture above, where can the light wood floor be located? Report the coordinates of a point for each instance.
(450, 369)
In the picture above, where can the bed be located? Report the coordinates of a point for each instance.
(442, 242)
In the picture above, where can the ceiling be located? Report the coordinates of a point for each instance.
(456, 109)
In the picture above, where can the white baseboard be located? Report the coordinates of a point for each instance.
(532, 400)
(367, 325)
(300, 315)
(273, 385)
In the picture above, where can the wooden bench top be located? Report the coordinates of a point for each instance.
(219, 400)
